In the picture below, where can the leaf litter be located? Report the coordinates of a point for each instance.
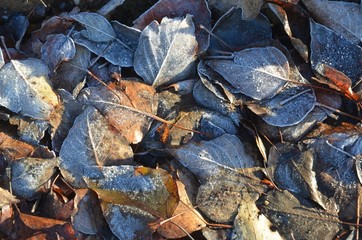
(203, 120)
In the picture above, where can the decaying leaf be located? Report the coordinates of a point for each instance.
(6, 198)
(91, 142)
(126, 107)
(87, 217)
(151, 190)
(293, 218)
(29, 174)
(250, 224)
(186, 217)
(329, 48)
(11, 148)
(31, 131)
(167, 51)
(25, 88)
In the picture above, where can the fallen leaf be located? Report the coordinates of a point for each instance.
(264, 71)
(250, 224)
(150, 190)
(25, 88)
(57, 48)
(331, 49)
(187, 219)
(128, 222)
(88, 216)
(29, 130)
(250, 8)
(6, 199)
(213, 158)
(72, 74)
(126, 108)
(12, 148)
(292, 218)
(29, 174)
(98, 27)
(345, 18)
(167, 51)
(118, 51)
(243, 33)
(178, 8)
(91, 142)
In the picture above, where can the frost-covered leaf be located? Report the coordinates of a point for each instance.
(88, 216)
(91, 142)
(167, 51)
(345, 18)
(289, 107)
(329, 48)
(25, 88)
(125, 108)
(256, 72)
(6, 198)
(29, 174)
(62, 119)
(292, 217)
(152, 190)
(71, 74)
(250, 8)
(293, 171)
(118, 51)
(179, 8)
(98, 27)
(128, 222)
(337, 151)
(241, 34)
(57, 48)
(29, 130)
(210, 158)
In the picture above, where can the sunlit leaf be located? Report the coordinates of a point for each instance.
(91, 142)
(179, 8)
(210, 158)
(167, 51)
(126, 107)
(25, 88)
(256, 72)
(6, 198)
(29, 174)
(152, 190)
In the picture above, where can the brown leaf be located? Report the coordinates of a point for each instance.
(126, 108)
(337, 80)
(6, 198)
(185, 216)
(11, 148)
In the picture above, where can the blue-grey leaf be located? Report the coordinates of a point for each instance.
(98, 27)
(259, 73)
(167, 51)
